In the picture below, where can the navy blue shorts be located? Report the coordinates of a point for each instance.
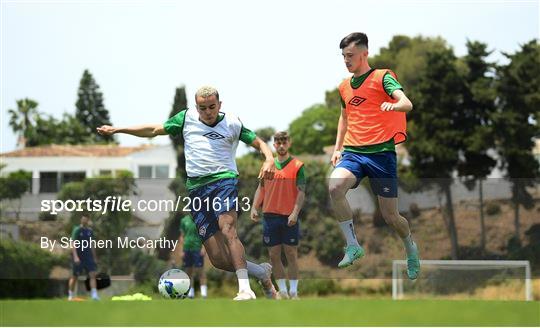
(209, 201)
(86, 265)
(193, 259)
(380, 168)
(277, 232)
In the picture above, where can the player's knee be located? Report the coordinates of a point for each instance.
(219, 263)
(230, 236)
(275, 257)
(337, 189)
(290, 254)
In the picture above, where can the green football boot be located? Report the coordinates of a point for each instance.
(413, 264)
(352, 253)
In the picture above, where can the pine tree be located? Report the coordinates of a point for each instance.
(90, 108)
(515, 127)
(478, 107)
(179, 104)
(434, 131)
(172, 225)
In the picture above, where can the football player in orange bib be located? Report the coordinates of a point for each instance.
(372, 122)
(281, 200)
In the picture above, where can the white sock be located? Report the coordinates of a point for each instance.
(191, 292)
(243, 280)
(282, 285)
(410, 246)
(70, 294)
(256, 270)
(347, 227)
(93, 292)
(293, 289)
(204, 290)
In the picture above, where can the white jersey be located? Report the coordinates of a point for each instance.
(210, 149)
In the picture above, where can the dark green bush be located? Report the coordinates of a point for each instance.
(329, 245)
(493, 209)
(147, 267)
(25, 269)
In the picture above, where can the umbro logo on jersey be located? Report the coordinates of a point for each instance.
(355, 101)
(213, 135)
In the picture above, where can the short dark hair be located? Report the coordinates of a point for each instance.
(358, 38)
(281, 136)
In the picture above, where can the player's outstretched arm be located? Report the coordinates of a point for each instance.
(269, 167)
(144, 131)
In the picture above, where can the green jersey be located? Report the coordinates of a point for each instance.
(192, 241)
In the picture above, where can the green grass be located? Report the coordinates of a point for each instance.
(306, 312)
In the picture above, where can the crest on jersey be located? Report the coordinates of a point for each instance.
(356, 101)
(213, 135)
(202, 231)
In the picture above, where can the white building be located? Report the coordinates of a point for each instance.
(54, 165)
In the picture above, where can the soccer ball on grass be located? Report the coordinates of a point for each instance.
(174, 283)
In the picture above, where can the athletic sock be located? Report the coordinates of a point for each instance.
(282, 285)
(191, 292)
(347, 228)
(293, 287)
(71, 294)
(410, 246)
(204, 290)
(256, 270)
(243, 280)
(93, 293)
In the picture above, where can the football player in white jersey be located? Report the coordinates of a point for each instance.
(210, 141)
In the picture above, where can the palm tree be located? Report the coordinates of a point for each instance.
(22, 120)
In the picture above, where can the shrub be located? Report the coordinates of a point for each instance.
(329, 246)
(493, 209)
(45, 216)
(146, 267)
(414, 210)
(25, 269)
(319, 287)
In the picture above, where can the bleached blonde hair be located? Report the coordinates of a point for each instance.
(206, 91)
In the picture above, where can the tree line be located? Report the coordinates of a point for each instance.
(35, 128)
(471, 115)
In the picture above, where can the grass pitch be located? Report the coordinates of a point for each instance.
(306, 312)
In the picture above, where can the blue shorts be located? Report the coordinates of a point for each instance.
(380, 168)
(211, 200)
(86, 265)
(277, 232)
(193, 259)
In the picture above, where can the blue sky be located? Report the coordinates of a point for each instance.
(269, 59)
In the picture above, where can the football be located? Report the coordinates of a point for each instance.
(174, 283)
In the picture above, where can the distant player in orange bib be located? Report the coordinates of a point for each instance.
(372, 122)
(281, 200)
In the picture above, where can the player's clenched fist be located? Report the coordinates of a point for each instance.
(106, 130)
(336, 156)
(267, 170)
(387, 106)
